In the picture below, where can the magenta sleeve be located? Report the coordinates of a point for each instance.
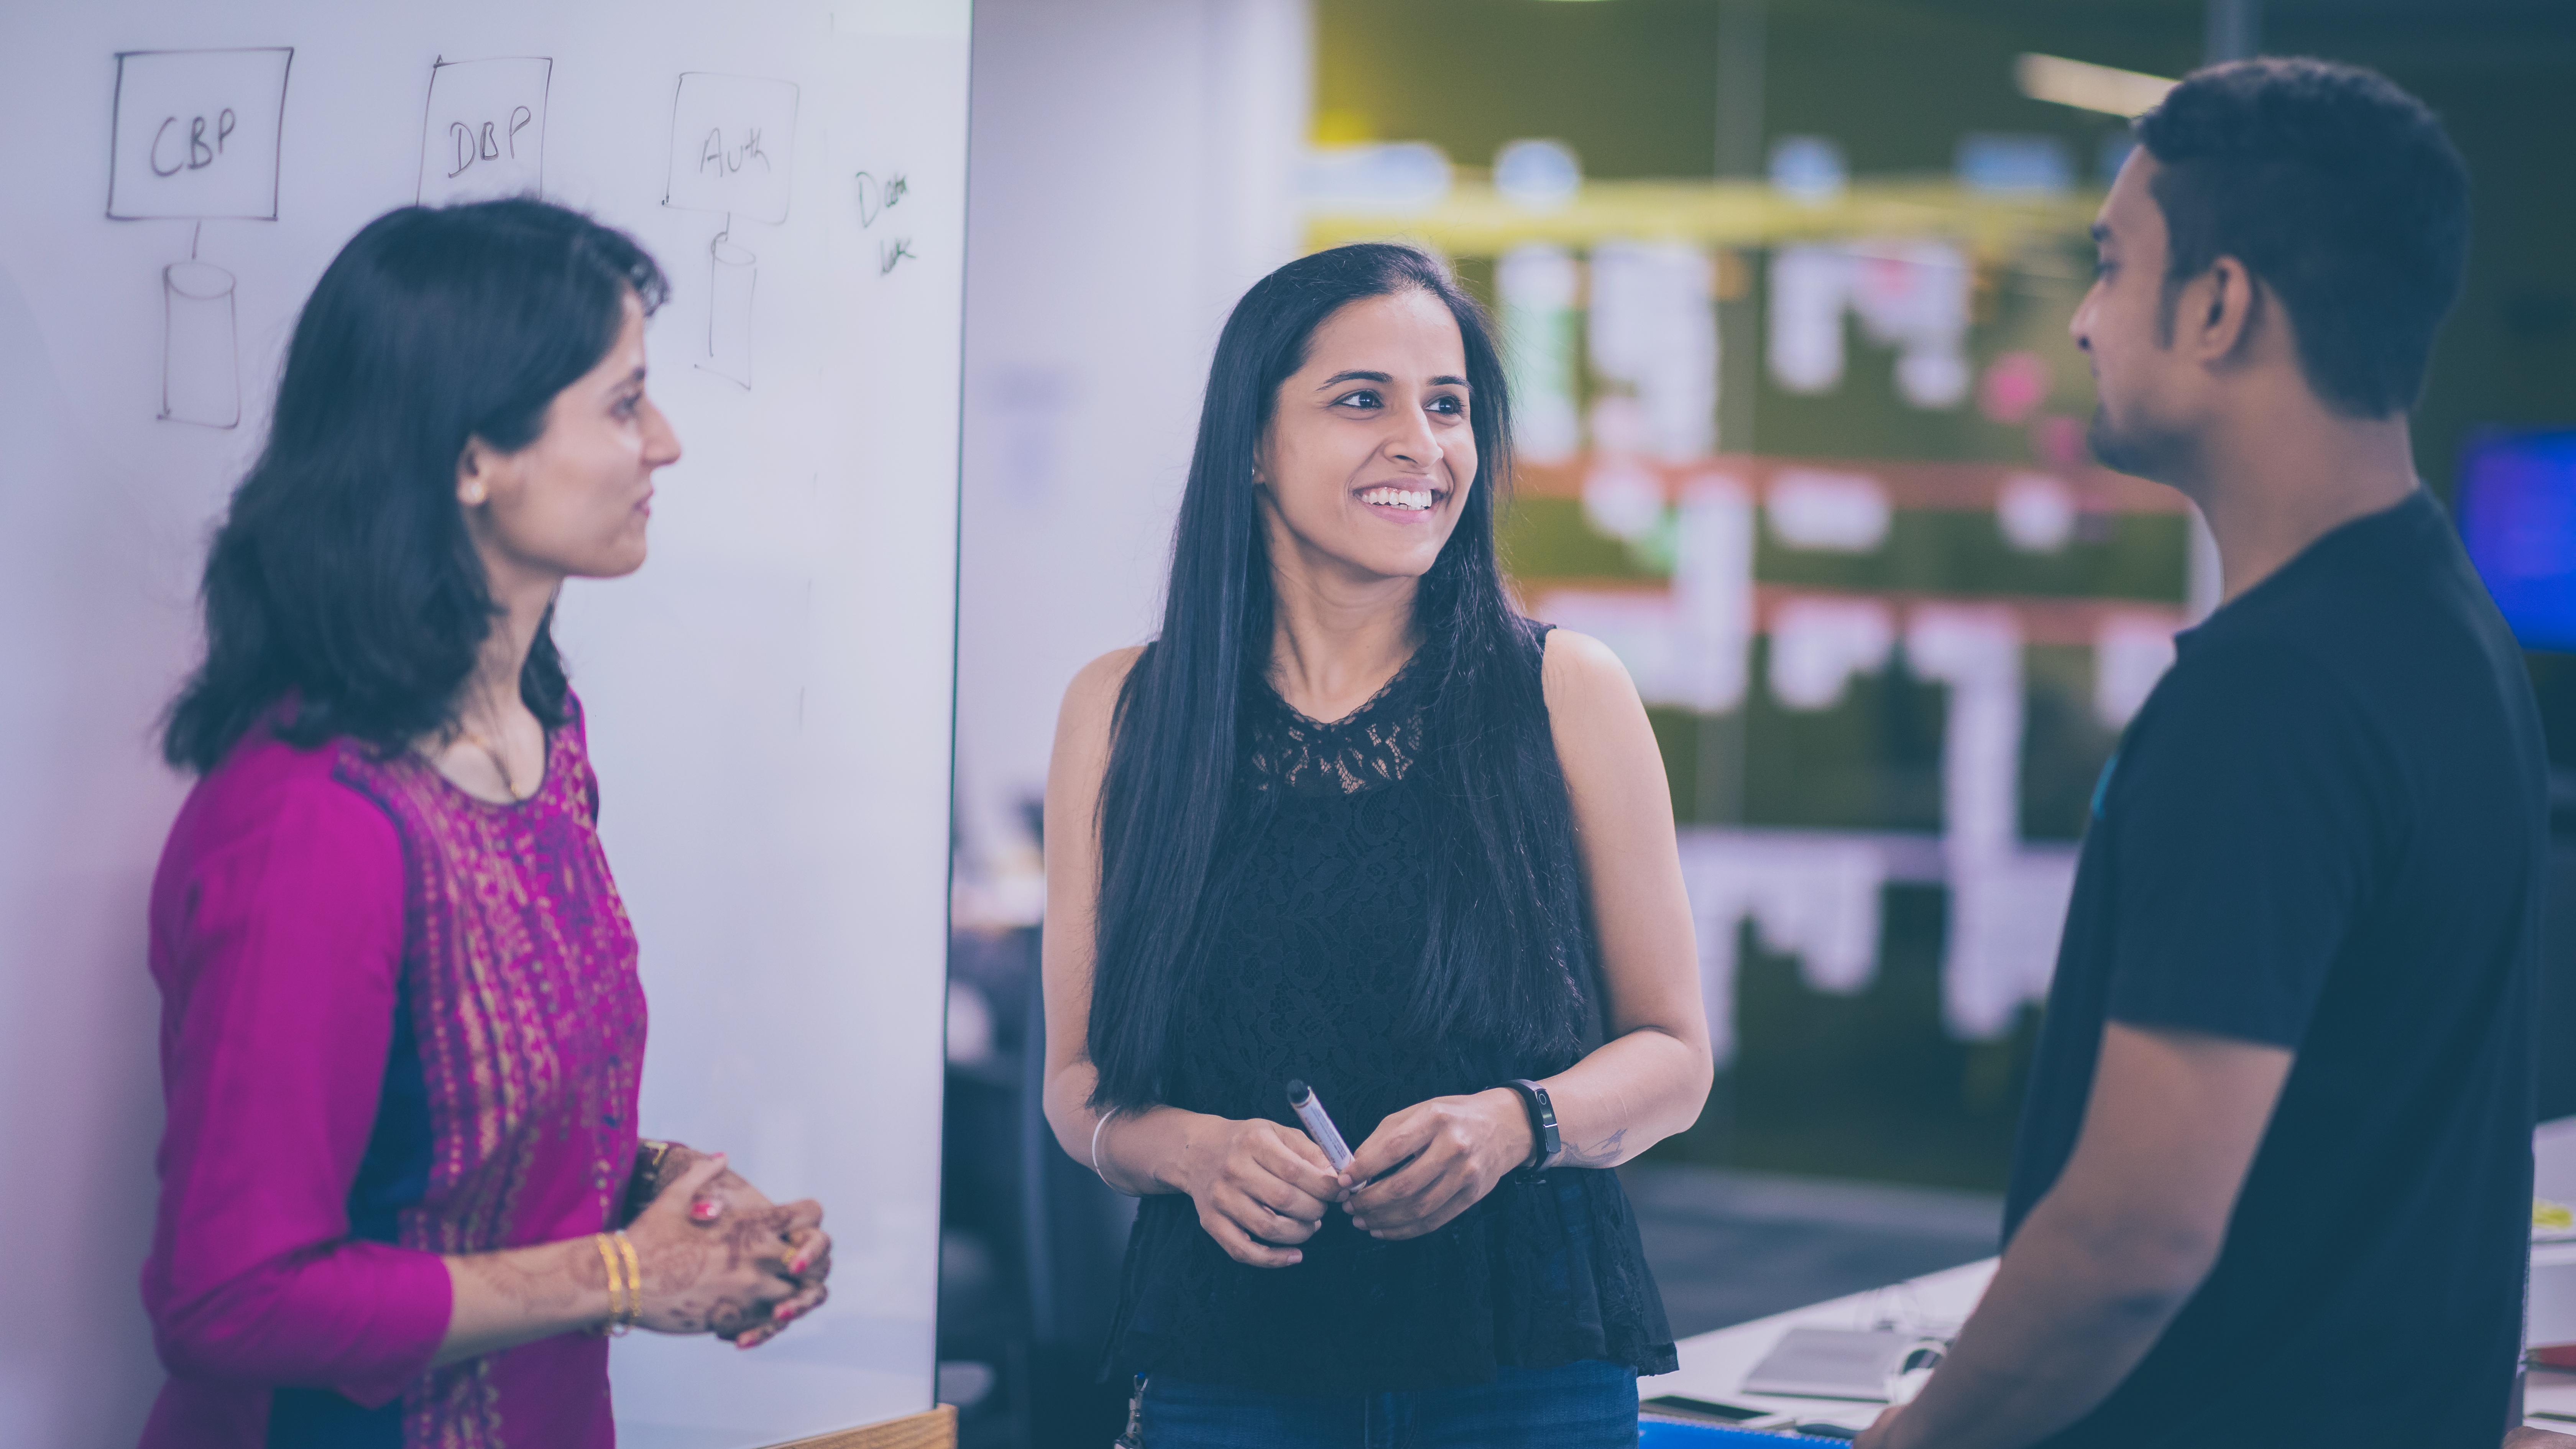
(277, 937)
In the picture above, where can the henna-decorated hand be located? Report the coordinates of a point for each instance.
(809, 1263)
(807, 1248)
(727, 1191)
(714, 1277)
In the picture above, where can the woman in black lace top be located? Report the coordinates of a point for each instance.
(1351, 819)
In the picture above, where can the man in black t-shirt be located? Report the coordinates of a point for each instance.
(2274, 1179)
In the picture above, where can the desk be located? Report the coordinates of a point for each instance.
(2550, 1311)
(1714, 1365)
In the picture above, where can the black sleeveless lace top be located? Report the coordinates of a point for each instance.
(1321, 900)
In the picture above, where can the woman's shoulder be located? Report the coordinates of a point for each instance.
(1090, 709)
(1587, 689)
(1093, 694)
(267, 779)
(1573, 661)
(1111, 669)
(264, 769)
(275, 805)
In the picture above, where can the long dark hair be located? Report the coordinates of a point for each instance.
(343, 573)
(1505, 967)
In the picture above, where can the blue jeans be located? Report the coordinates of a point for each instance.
(1584, 1405)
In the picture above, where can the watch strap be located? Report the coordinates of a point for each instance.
(1544, 1143)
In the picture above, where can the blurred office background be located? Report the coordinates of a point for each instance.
(1785, 286)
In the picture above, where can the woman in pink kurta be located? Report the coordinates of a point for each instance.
(399, 1022)
(401, 1031)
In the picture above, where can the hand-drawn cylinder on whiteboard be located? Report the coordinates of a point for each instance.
(729, 311)
(200, 368)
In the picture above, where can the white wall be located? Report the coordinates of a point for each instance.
(1133, 167)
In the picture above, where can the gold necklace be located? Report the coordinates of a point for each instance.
(489, 753)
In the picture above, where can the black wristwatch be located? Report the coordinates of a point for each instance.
(1542, 1118)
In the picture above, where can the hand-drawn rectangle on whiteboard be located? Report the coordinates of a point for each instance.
(196, 135)
(732, 139)
(485, 133)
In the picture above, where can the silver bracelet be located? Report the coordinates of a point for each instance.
(1095, 1151)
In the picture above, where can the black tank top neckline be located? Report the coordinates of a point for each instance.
(1373, 746)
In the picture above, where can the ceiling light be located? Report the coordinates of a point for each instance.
(2089, 87)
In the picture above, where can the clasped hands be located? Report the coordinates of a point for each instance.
(719, 1257)
(1262, 1188)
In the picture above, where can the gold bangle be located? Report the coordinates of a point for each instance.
(616, 1280)
(634, 1282)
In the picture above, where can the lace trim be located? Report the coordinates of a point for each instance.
(1371, 747)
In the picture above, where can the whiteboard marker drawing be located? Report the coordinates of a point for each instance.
(199, 381)
(729, 310)
(483, 133)
(876, 198)
(733, 142)
(197, 135)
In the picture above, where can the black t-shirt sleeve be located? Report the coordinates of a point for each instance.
(2248, 818)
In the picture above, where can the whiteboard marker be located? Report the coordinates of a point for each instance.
(1319, 1124)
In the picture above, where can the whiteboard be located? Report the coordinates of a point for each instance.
(769, 699)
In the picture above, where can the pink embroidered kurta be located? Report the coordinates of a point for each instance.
(397, 1022)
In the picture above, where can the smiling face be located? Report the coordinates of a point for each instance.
(576, 501)
(2146, 390)
(1370, 452)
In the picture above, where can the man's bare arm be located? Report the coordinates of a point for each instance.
(2111, 1254)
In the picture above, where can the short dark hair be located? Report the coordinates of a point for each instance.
(2335, 188)
(343, 574)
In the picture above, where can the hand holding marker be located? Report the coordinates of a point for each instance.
(1319, 1124)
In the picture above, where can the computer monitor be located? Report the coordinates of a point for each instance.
(2517, 512)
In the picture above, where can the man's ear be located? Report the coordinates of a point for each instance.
(2221, 311)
